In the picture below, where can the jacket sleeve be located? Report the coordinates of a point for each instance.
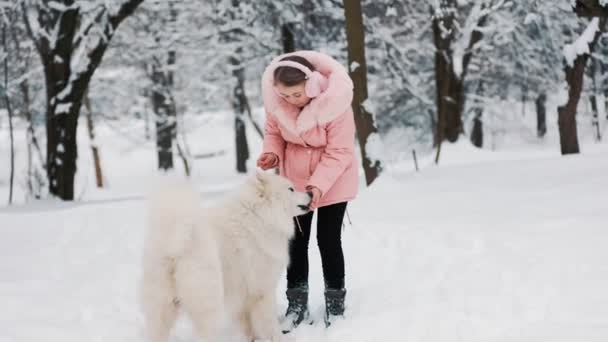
(273, 140)
(338, 153)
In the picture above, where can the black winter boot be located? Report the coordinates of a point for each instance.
(297, 308)
(334, 305)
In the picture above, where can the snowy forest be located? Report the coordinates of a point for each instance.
(428, 72)
(480, 137)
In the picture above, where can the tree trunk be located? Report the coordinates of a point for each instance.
(35, 174)
(10, 116)
(595, 122)
(450, 86)
(12, 139)
(364, 120)
(304, 29)
(165, 121)
(593, 99)
(163, 101)
(287, 37)
(604, 79)
(524, 99)
(590, 8)
(146, 94)
(567, 113)
(61, 146)
(240, 102)
(477, 132)
(239, 105)
(257, 127)
(94, 148)
(541, 117)
(184, 158)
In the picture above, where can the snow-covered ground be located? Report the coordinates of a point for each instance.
(507, 245)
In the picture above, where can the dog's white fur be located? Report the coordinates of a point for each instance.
(220, 263)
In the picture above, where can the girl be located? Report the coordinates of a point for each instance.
(310, 136)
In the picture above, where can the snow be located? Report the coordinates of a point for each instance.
(354, 65)
(563, 94)
(32, 19)
(57, 6)
(488, 246)
(457, 60)
(63, 108)
(374, 148)
(65, 91)
(581, 45)
(54, 36)
(530, 18)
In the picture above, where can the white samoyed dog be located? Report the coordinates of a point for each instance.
(220, 264)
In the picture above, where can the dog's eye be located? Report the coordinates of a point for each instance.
(291, 189)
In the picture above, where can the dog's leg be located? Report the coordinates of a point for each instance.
(158, 303)
(264, 319)
(201, 295)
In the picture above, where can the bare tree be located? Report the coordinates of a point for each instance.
(71, 38)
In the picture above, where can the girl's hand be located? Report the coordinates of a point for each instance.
(267, 161)
(316, 196)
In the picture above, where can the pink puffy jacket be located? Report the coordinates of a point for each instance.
(315, 145)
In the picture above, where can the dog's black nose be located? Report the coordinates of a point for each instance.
(309, 193)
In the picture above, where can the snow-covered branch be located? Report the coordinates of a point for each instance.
(581, 45)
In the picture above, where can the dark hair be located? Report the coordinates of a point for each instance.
(291, 76)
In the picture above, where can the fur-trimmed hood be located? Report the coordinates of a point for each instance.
(334, 101)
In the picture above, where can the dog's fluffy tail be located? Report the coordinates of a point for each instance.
(172, 216)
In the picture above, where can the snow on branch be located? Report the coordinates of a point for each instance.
(471, 32)
(57, 6)
(581, 45)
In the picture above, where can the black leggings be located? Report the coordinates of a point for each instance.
(329, 228)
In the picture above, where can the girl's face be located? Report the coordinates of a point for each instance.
(293, 94)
